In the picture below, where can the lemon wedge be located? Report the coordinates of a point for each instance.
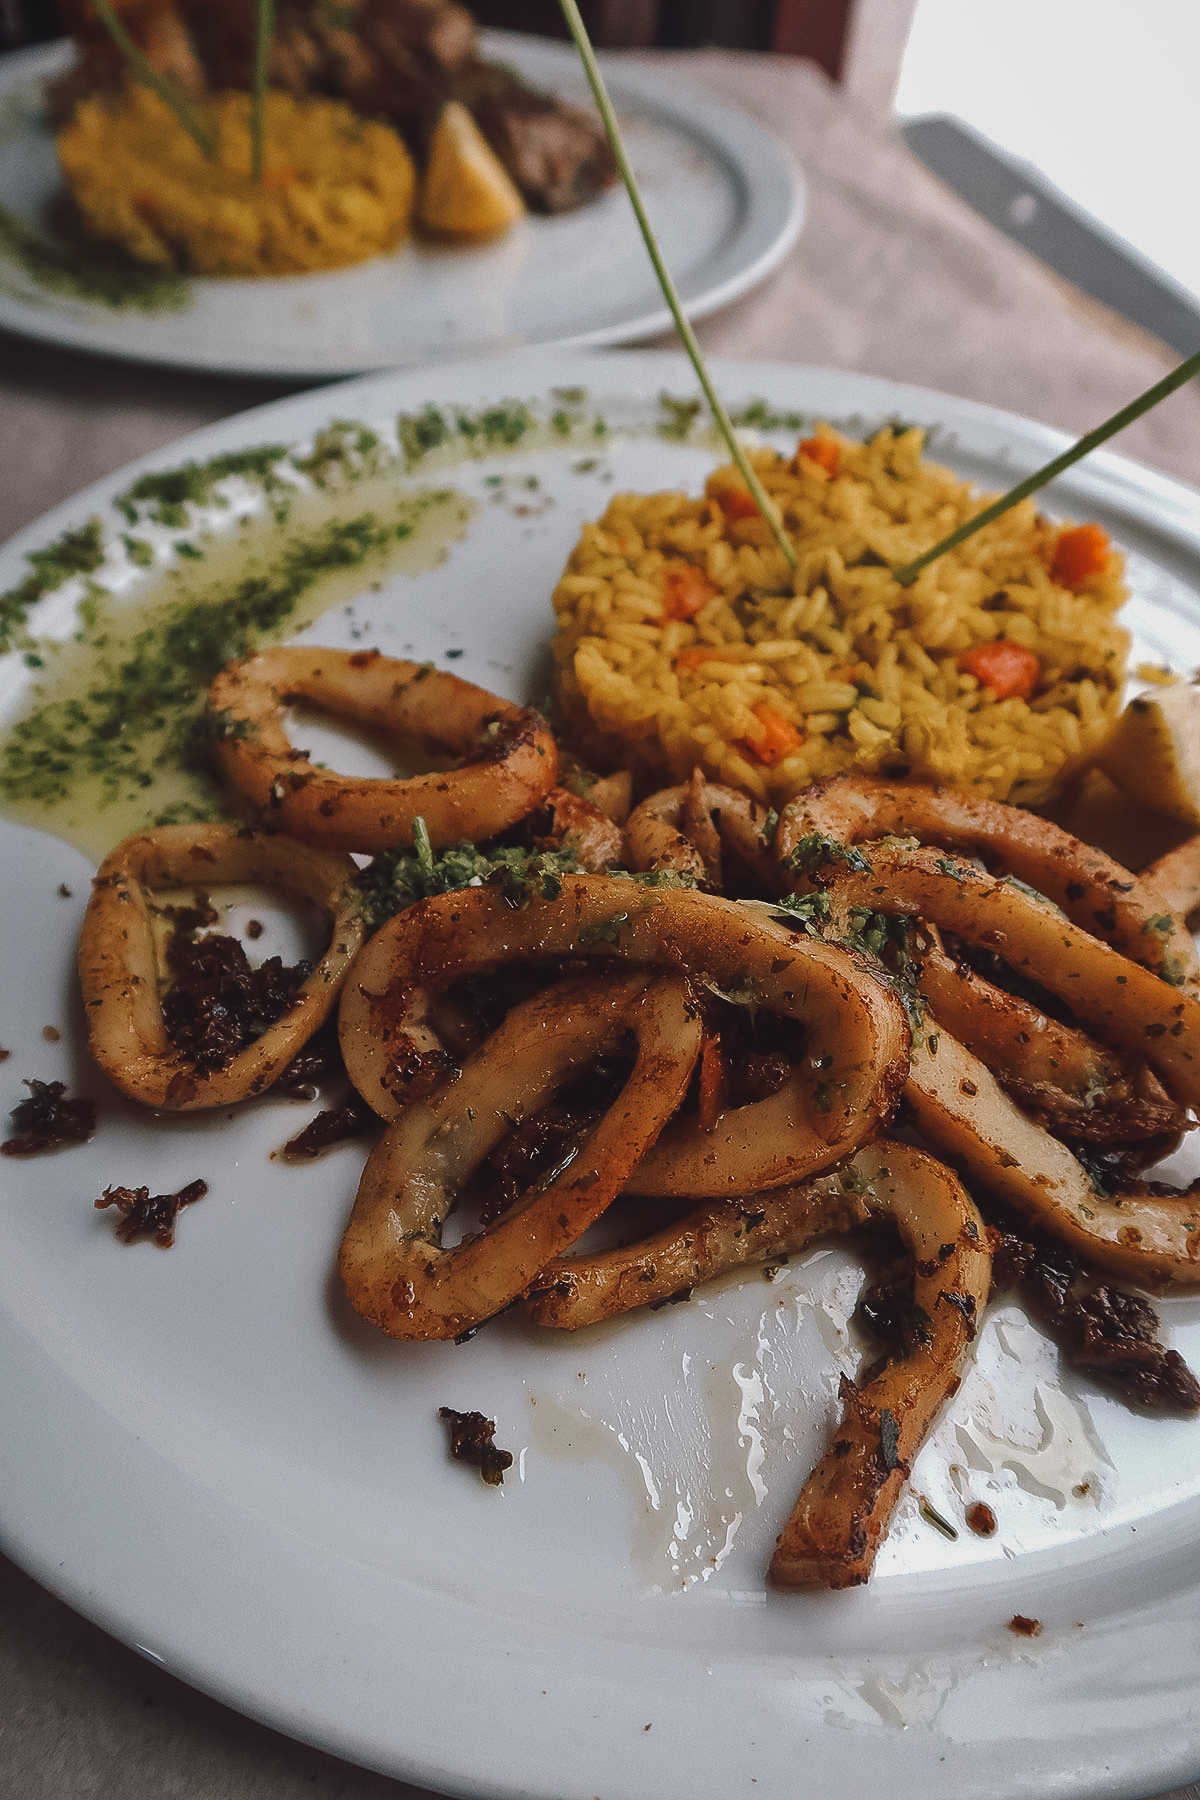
(466, 189)
(1153, 751)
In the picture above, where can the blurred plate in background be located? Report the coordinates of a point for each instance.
(724, 196)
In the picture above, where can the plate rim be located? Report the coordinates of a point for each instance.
(765, 1696)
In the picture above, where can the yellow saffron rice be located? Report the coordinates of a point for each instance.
(782, 676)
(336, 188)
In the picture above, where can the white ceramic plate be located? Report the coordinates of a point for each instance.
(724, 196)
(206, 1453)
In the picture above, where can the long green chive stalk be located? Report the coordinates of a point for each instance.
(150, 78)
(1033, 482)
(687, 336)
(262, 57)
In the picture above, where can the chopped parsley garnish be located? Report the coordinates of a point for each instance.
(165, 494)
(605, 931)
(851, 1179)
(759, 415)
(397, 879)
(342, 451)
(419, 433)
(808, 911)
(82, 271)
(79, 551)
(679, 416)
(888, 939)
(149, 704)
(933, 1517)
(743, 990)
(654, 878)
(815, 850)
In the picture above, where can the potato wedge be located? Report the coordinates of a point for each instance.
(1153, 751)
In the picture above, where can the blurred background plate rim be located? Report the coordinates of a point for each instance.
(759, 175)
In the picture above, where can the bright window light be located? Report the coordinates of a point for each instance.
(1100, 95)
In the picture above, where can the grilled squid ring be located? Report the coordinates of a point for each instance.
(845, 1506)
(1123, 910)
(1145, 1236)
(118, 965)
(395, 1269)
(509, 759)
(692, 829)
(1123, 1000)
(857, 1037)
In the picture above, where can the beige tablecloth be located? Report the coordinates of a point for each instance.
(892, 275)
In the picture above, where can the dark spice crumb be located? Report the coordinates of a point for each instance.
(217, 1003)
(150, 1215)
(336, 1125)
(47, 1119)
(528, 1149)
(1104, 1332)
(981, 1519)
(676, 1299)
(1025, 1627)
(471, 1442)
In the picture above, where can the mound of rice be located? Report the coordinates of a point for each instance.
(684, 639)
(336, 188)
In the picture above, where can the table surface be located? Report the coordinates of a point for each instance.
(892, 275)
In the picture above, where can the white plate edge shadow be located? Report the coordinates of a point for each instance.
(777, 1704)
(772, 190)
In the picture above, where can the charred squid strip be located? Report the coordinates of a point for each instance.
(395, 1269)
(118, 963)
(845, 1506)
(759, 1145)
(1095, 892)
(1051, 1069)
(1175, 878)
(509, 760)
(693, 828)
(566, 821)
(1145, 1236)
(1110, 1335)
(582, 1290)
(655, 838)
(1125, 1002)
(856, 1044)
